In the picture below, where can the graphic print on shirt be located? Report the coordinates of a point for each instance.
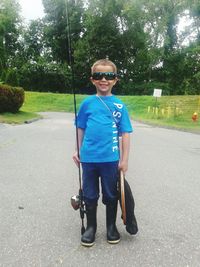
(116, 115)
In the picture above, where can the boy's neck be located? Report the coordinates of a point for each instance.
(99, 94)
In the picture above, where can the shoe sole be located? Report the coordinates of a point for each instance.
(113, 241)
(87, 244)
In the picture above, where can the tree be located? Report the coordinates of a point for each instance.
(191, 77)
(9, 31)
(100, 38)
(56, 31)
(140, 36)
(113, 29)
(34, 42)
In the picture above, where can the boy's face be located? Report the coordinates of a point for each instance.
(103, 86)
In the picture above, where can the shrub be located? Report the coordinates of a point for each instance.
(11, 77)
(11, 98)
(45, 77)
(3, 75)
(143, 88)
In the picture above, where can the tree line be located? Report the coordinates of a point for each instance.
(140, 36)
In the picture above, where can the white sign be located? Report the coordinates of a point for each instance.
(157, 92)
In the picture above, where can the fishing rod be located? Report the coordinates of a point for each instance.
(76, 201)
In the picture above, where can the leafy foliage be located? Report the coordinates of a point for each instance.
(9, 31)
(45, 77)
(11, 98)
(140, 36)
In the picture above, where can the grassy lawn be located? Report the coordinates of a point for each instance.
(170, 111)
(39, 102)
(18, 118)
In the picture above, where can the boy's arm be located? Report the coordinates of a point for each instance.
(124, 152)
(80, 140)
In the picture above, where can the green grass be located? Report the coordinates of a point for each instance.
(172, 111)
(18, 118)
(39, 102)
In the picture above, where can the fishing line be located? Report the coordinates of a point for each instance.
(72, 81)
(71, 64)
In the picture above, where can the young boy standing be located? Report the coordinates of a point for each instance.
(102, 119)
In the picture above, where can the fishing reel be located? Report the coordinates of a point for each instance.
(75, 202)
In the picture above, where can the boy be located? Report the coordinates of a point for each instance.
(102, 118)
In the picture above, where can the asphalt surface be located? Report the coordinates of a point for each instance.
(37, 178)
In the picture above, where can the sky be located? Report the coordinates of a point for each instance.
(31, 9)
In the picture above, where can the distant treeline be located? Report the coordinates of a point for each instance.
(142, 37)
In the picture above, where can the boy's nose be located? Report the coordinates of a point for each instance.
(103, 79)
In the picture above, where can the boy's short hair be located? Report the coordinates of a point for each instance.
(104, 62)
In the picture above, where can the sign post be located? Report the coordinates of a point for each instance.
(157, 93)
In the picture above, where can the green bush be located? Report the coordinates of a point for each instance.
(11, 77)
(11, 98)
(3, 75)
(133, 88)
(45, 77)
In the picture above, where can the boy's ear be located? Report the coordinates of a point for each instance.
(116, 80)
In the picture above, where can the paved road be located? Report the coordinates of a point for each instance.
(37, 178)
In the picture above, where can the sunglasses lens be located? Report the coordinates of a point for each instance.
(106, 75)
(97, 76)
(110, 76)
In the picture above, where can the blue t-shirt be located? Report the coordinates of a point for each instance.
(102, 126)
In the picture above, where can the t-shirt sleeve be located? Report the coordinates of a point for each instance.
(81, 118)
(125, 123)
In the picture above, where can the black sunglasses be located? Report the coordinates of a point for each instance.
(107, 75)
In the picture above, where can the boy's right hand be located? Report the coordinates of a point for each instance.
(76, 159)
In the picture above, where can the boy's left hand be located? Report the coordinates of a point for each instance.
(123, 166)
(76, 159)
